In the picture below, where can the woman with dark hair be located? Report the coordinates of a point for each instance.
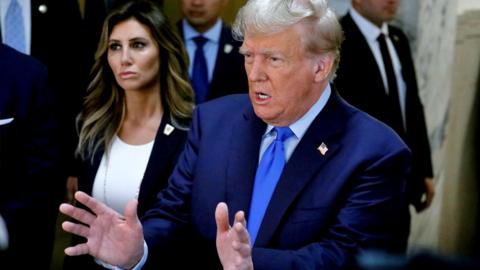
(138, 107)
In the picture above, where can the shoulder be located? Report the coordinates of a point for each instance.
(224, 111)
(16, 63)
(397, 33)
(226, 104)
(364, 131)
(227, 36)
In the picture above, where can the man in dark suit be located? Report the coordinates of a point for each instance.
(66, 53)
(385, 86)
(224, 64)
(318, 180)
(29, 160)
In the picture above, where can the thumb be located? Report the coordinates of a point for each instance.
(221, 217)
(131, 213)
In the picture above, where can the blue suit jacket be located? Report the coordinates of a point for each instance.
(30, 186)
(324, 209)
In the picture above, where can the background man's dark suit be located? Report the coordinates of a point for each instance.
(229, 75)
(29, 161)
(360, 83)
(324, 208)
(58, 40)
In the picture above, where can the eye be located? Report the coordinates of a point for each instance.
(138, 45)
(275, 61)
(114, 47)
(248, 57)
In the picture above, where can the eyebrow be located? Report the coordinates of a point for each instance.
(130, 40)
(266, 52)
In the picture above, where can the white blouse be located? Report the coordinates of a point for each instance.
(119, 176)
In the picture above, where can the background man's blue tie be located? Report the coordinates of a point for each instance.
(14, 28)
(268, 173)
(200, 72)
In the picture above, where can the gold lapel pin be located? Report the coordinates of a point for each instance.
(168, 129)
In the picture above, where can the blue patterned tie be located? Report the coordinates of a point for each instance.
(200, 72)
(14, 28)
(268, 173)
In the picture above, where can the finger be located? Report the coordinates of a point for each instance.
(96, 206)
(75, 228)
(221, 217)
(131, 213)
(77, 213)
(240, 217)
(429, 199)
(243, 249)
(80, 249)
(241, 233)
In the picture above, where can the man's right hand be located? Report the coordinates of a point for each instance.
(112, 238)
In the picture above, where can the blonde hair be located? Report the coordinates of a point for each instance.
(104, 106)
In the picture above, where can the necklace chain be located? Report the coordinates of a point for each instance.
(105, 180)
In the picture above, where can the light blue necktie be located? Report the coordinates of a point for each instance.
(266, 179)
(14, 28)
(200, 72)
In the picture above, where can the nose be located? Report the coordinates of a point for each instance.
(126, 58)
(256, 70)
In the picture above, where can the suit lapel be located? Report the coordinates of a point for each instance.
(303, 165)
(159, 160)
(243, 161)
(364, 54)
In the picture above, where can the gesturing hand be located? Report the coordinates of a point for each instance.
(112, 238)
(233, 243)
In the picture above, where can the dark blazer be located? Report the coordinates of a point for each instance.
(359, 81)
(163, 158)
(324, 210)
(30, 186)
(229, 75)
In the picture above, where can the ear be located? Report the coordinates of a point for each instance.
(322, 67)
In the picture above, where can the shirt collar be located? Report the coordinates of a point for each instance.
(301, 125)
(212, 34)
(369, 30)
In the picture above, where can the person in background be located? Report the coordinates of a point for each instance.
(52, 32)
(30, 156)
(216, 67)
(138, 107)
(310, 181)
(377, 75)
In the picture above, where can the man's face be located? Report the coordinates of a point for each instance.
(283, 81)
(202, 14)
(377, 11)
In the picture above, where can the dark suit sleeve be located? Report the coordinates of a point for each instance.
(372, 217)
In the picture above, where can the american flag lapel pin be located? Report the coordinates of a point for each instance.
(323, 149)
(168, 129)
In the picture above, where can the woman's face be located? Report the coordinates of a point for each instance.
(134, 56)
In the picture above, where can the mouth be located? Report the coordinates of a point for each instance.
(127, 74)
(262, 97)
